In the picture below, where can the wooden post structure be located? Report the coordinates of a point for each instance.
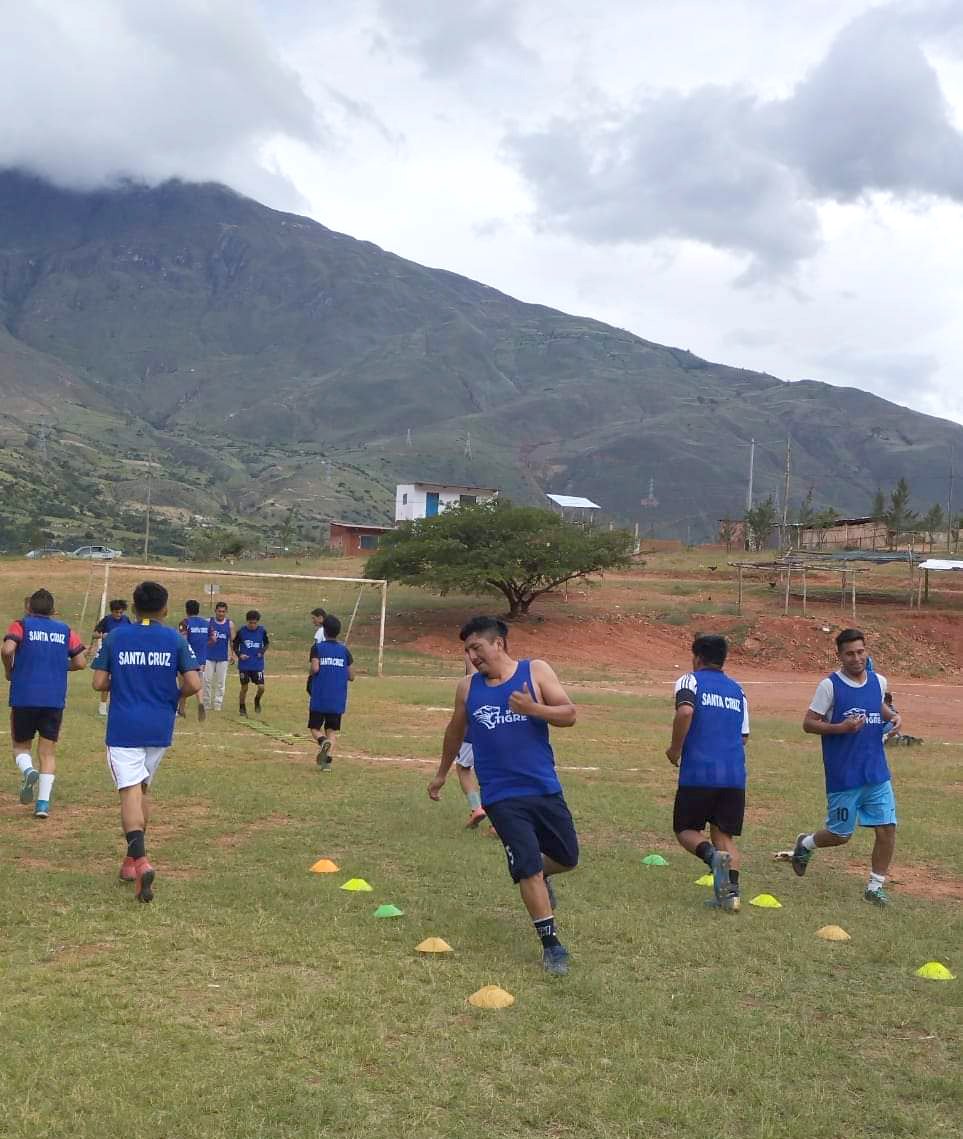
(739, 594)
(785, 608)
(842, 589)
(804, 590)
(381, 631)
(853, 587)
(926, 585)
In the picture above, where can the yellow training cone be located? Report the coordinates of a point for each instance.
(491, 996)
(832, 933)
(705, 880)
(356, 884)
(324, 866)
(934, 971)
(434, 945)
(766, 902)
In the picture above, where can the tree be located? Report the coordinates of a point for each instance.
(824, 520)
(878, 511)
(761, 520)
(495, 547)
(933, 522)
(899, 517)
(727, 532)
(807, 512)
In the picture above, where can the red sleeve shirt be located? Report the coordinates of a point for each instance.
(74, 644)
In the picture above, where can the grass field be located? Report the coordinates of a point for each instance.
(254, 998)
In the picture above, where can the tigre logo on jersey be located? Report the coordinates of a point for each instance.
(492, 716)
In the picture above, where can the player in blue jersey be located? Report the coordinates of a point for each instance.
(38, 652)
(116, 615)
(850, 713)
(147, 667)
(332, 669)
(219, 654)
(708, 745)
(505, 709)
(197, 631)
(250, 644)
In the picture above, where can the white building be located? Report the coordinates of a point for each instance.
(426, 499)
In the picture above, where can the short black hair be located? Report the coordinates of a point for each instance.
(221, 605)
(848, 635)
(120, 603)
(252, 615)
(712, 648)
(488, 627)
(41, 602)
(319, 612)
(150, 597)
(332, 627)
(192, 608)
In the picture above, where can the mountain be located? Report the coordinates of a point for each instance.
(271, 369)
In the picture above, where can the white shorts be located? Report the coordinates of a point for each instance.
(132, 765)
(465, 756)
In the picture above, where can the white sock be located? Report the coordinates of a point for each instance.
(809, 842)
(24, 762)
(45, 787)
(875, 880)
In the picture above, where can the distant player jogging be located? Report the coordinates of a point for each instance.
(850, 713)
(332, 670)
(38, 652)
(115, 617)
(220, 652)
(197, 631)
(506, 708)
(251, 642)
(147, 667)
(709, 733)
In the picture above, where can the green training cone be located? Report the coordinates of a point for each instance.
(705, 880)
(934, 971)
(388, 911)
(354, 884)
(654, 860)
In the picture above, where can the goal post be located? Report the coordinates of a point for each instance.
(266, 590)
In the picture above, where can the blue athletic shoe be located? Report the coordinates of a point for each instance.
(42, 809)
(30, 779)
(721, 885)
(555, 960)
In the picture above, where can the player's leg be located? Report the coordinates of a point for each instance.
(877, 809)
(220, 683)
(841, 808)
(259, 692)
(207, 693)
(465, 769)
(47, 762)
(332, 725)
(725, 826)
(131, 769)
(245, 681)
(22, 731)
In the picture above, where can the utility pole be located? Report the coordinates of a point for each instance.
(752, 460)
(150, 472)
(468, 445)
(949, 505)
(785, 499)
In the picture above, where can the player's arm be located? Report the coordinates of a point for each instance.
(454, 738)
(350, 661)
(817, 725)
(211, 632)
(232, 636)
(190, 676)
(550, 702)
(11, 642)
(267, 643)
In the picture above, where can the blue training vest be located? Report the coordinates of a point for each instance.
(198, 632)
(855, 760)
(222, 633)
(250, 642)
(329, 685)
(40, 666)
(713, 754)
(513, 757)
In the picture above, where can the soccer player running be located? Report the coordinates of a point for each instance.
(197, 630)
(506, 708)
(709, 733)
(38, 651)
(849, 712)
(220, 649)
(147, 667)
(113, 619)
(250, 644)
(332, 668)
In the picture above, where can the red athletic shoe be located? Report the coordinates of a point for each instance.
(144, 879)
(475, 817)
(127, 871)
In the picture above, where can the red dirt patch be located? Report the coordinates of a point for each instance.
(246, 830)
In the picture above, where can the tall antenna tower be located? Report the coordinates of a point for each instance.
(408, 438)
(650, 499)
(468, 445)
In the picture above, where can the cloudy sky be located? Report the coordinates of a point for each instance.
(776, 184)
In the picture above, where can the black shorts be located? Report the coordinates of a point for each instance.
(25, 723)
(723, 807)
(251, 677)
(319, 720)
(530, 826)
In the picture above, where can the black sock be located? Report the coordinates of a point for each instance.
(545, 928)
(705, 851)
(734, 877)
(135, 844)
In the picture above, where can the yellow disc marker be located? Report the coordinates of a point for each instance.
(766, 902)
(833, 933)
(705, 880)
(934, 971)
(491, 996)
(434, 945)
(325, 866)
(355, 884)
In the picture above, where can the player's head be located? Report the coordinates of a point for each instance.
(40, 603)
(709, 650)
(317, 616)
(252, 617)
(220, 610)
(851, 649)
(331, 626)
(192, 608)
(118, 607)
(486, 641)
(150, 599)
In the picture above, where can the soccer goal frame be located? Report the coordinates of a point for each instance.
(381, 583)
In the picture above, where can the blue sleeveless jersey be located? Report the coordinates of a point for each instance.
(108, 624)
(855, 760)
(329, 685)
(251, 643)
(198, 631)
(143, 661)
(513, 757)
(222, 634)
(40, 666)
(713, 754)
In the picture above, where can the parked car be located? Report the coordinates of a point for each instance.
(44, 552)
(99, 553)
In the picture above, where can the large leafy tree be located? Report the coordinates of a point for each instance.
(761, 520)
(899, 518)
(933, 522)
(520, 552)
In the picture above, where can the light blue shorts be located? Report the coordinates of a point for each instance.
(872, 805)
